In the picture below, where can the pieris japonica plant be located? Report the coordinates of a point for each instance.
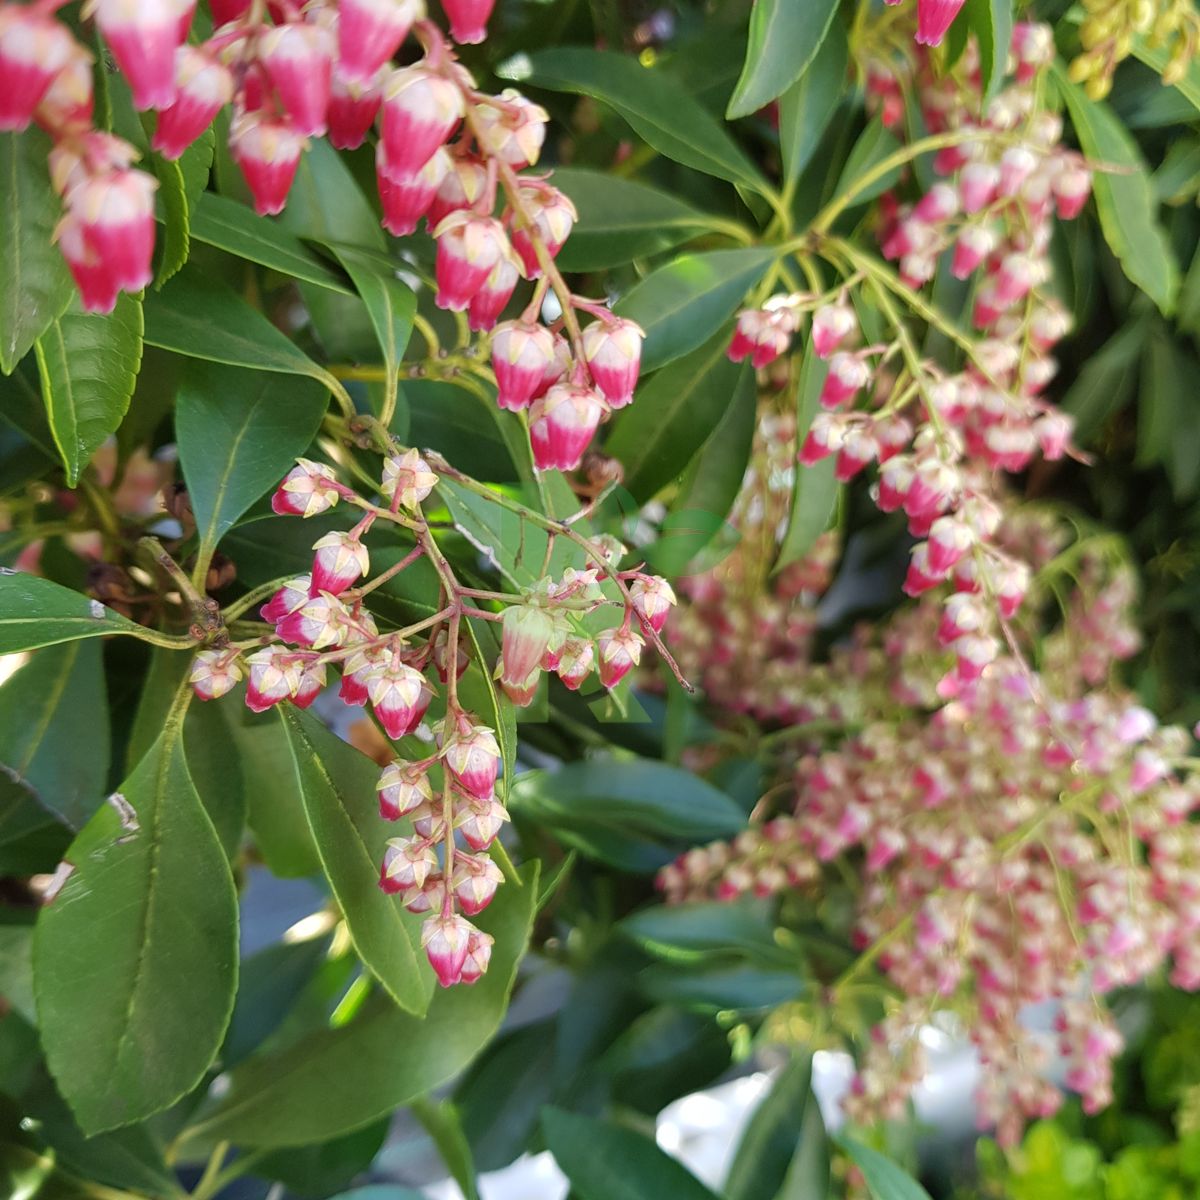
(443, 449)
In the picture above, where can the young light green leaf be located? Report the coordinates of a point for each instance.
(681, 305)
(239, 432)
(656, 106)
(1124, 198)
(677, 410)
(884, 1179)
(36, 612)
(54, 736)
(341, 1079)
(807, 107)
(1158, 57)
(991, 21)
(604, 1161)
(88, 364)
(337, 787)
(814, 490)
(35, 285)
(135, 959)
(621, 219)
(784, 39)
(230, 226)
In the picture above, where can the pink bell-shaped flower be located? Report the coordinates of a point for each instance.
(268, 152)
(214, 673)
(489, 301)
(356, 675)
(444, 940)
(468, 19)
(298, 58)
(340, 559)
(203, 87)
(934, 17)
(468, 249)
(403, 787)
(407, 863)
(115, 214)
(848, 375)
(143, 36)
(473, 758)
(551, 215)
(399, 696)
(613, 347)
(294, 595)
(34, 48)
(475, 881)
(831, 325)
(653, 599)
(272, 678)
(521, 353)
(618, 651)
(405, 199)
(420, 112)
(307, 489)
(479, 954)
(460, 188)
(561, 424)
(511, 128)
(370, 32)
(352, 110)
(575, 662)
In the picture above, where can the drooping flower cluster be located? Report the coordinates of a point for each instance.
(325, 67)
(321, 620)
(939, 435)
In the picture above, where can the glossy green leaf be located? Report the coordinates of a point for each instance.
(1106, 381)
(682, 304)
(764, 1155)
(326, 204)
(35, 285)
(341, 1079)
(784, 40)
(390, 302)
(35, 612)
(218, 778)
(740, 987)
(884, 1179)
(54, 736)
(337, 787)
(1158, 57)
(444, 1125)
(991, 22)
(808, 1175)
(88, 364)
(180, 184)
(807, 107)
(658, 109)
(31, 840)
(676, 412)
(874, 145)
(1124, 199)
(814, 489)
(230, 226)
(700, 928)
(604, 1161)
(239, 433)
(200, 317)
(135, 959)
(1168, 432)
(621, 219)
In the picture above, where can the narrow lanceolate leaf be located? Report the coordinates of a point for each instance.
(677, 410)
(35, 285)
(991, 21)
(88, 364)
(35, 612)
(806, 108)
(814, 492)
(1125, 198)
(337, 786)
(180, 184)
(390, 302)
(135, 959)
(54, 729)
(341, 1079)
(784, 39)
(681, 305)
(239, 432)
(657, 107)
(884, 1179)
(603, 1161)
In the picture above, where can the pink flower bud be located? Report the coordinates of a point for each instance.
(429, 821)
(468, 248)
(526, 634)
(522, 692)
(618, 651)
(473, 758)
(962, 613)
(67, 105)
(461, 187)
(762, 335)
(895, 481)
(268, 152)
(972, 654)
(370, 32)
(1053, 432)
(1071, 185)
(613, 347)
(1010, 582)
(488, 303)
(1015, 276)
(848, 374)
(405, 199)
(298, 58)
(561, 424)
(307, 489)
(441, 656)
(340, 559)
(444, 940)
(1009, 447)
(575, 662)
(408, 474)
(475, 881)
(353, 107)
(357, 671)
(143, 36)
(892, 434)
(214, 672)
(309, 685)
(480, 822)
(949, 539)
(552, 216)
(407, 863)
(420, 112)
(556, 371)
(115, 214)
(511, 128)
(292, 596)
(522, 351)
(34, 48)
(468, 19)
(203, 86)
(988, 307)
(321, 621)
(921, 573)
(938, 204)
(272, 678)
(399, 696)
(974, 244)
(933, 484)
(859, 448)
(825, 436)
(653, 599)
(429, 897)
(978, 184)
(831, 325)
(934, 17)
(98, 288)
(1017, 163)
(1032, 47)
(479, 955)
